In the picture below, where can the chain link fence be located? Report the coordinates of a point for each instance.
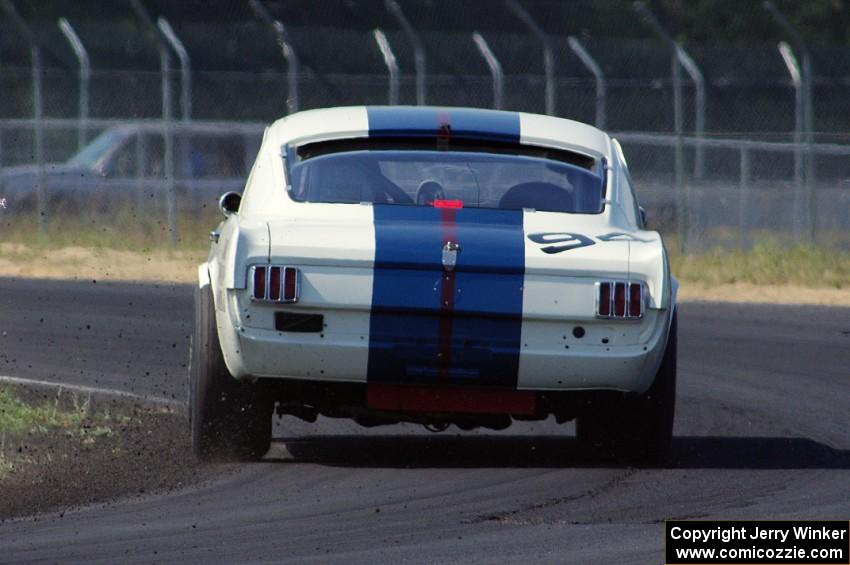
(734, 168)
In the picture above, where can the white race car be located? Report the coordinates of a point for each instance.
(438, 266)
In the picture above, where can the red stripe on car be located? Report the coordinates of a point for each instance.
(447, 298)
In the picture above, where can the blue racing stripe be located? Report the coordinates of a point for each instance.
(464, 123)
(428, 325)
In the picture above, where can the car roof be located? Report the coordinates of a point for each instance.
(430, 121)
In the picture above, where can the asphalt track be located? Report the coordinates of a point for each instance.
(762, 431)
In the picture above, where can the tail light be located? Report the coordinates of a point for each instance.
(604, 305)
(620, 299)
(275, 283)
(291, 275)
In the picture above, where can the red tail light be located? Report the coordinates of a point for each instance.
(260, 283)
(290, 284)
(620, 299)
(275, 283)
(635, 300)
(603, 308)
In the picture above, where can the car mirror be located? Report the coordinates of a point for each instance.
(229, 203)
(642, 212)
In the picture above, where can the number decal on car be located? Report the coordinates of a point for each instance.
(557, 242)
(560, 241)
(620, 236)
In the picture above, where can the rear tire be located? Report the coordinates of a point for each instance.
(230, 420)
(636, 429)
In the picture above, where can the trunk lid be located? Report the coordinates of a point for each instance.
(446, 290)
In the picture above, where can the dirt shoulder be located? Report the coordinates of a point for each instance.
(103, 264)
(690, 291)
(60, 452)
(94, 263)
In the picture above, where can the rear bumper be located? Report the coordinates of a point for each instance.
(545, 364)
(595, 365)
(380, 404)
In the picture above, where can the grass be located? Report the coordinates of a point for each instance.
(67, 415)
(18, 417)
(124, 237)
(767, 263)
(123, 229)
(121, 245)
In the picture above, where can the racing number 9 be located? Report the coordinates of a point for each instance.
(558, 242)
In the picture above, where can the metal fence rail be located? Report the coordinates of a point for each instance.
(804, 210)
(749, 194)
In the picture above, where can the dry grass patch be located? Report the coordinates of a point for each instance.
(128, 246)
(120, 246)
(766, 263)
(98, 263)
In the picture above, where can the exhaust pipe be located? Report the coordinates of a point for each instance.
(299, 411)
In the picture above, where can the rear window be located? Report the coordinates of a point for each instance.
(470, 177)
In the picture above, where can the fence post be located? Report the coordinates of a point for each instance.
(743, 194)
(682, 191)
(38, 109)
(696, 76)
(390, 62)
(185, 67)
(699, 102)
(806, 109)
(682, 200)
(811, 174)
(85, 74)
(591, 64)
(419, 60)
(794, 71)
(548, 55)
(293, 64)
(495, 69)
(167, 115)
